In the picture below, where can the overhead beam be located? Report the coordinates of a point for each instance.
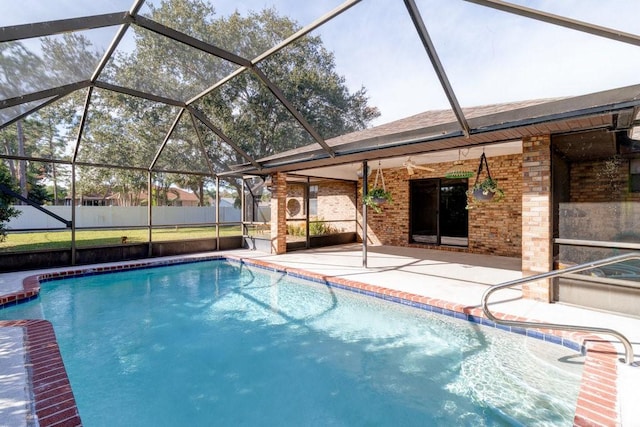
(112, 47)
(217, 85)
(201, 142)
(437, 65)
(195, 43)
(166, 139)
(31, 111)
(562, 21)
(48, 28)
(139, 94)
(37, 159)
(44, 94)
(115, 42)
(222, 136)
(275, 90)
(83, 122)
(295, 36)
(307, 29)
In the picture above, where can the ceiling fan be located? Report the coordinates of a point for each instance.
(411, 167)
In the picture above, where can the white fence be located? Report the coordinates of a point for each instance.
(116, 216)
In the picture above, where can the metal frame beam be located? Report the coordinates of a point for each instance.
(45, 93)
(222, 136)
(277, 92)
(193, 42)
(139, 94)
(231, 57)
(166, 139)
(216, 85)
(437, 65)
(201, 141)
(295, 36)
(307, 29)
(31, 111)
(562, 21)
(48, 28)
(83, 121)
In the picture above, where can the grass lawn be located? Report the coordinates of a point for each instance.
(39, 240)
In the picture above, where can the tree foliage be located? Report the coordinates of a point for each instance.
(6, 210)
(126, 131)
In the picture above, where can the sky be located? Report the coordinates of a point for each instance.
(489, 56)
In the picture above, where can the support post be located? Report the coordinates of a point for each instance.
(149, 218)
(537, 216)
(365, 188)
(73, 213)
(217, 208)
(279, 214)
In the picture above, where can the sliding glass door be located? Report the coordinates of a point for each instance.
(438, 214)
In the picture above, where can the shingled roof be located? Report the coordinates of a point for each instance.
(438, 130)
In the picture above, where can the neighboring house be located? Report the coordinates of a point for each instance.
(175, 197)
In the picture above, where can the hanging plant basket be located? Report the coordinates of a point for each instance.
(379, 200)
(485, 190)
(377, 196)
(482, 195)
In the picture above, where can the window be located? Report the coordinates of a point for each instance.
(313, 200)
(438, 212)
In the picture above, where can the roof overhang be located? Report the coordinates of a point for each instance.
(613, 110)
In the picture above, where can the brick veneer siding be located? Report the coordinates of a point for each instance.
(279, 214)
(494, 228)
(337, 201)
(601, 181)
(335, 204)
(598, 189)
(537, 244)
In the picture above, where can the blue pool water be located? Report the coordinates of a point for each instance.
(218, 343)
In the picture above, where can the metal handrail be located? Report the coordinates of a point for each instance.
(606, 261)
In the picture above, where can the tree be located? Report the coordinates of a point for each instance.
(127, 131)
(245, 108)
(305, 72)
(59, 61)
(6, 210)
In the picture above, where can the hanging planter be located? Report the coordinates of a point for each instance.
(377, 196)
(484, 190)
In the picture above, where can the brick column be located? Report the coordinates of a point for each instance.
(537, 215)
(279, 214)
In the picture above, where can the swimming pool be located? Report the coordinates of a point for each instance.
(218, 343)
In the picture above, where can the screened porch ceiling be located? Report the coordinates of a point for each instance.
(144, 85)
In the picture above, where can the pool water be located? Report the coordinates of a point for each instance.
(218, 343)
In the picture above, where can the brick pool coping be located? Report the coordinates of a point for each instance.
(55, 404)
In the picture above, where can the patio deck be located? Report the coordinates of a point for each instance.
(457, 278)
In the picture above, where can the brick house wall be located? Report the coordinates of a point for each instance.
(335, 204)
(601, 181)
(494, 228)
(337, 201)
